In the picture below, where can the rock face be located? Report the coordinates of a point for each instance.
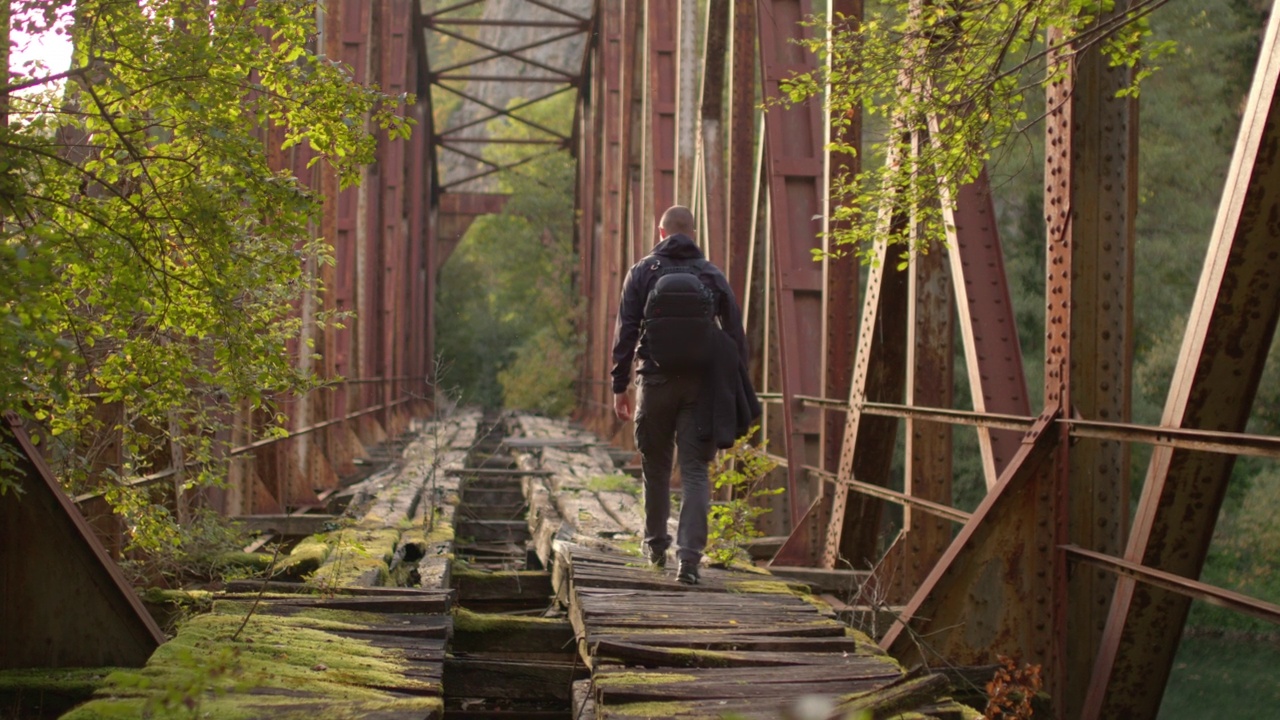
(556, 54)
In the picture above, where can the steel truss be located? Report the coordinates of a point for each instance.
(1046, 568)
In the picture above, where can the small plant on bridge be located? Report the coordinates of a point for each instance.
(1011, 691)
(742, 470)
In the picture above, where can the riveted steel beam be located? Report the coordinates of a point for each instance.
(795, 165)
(1215, 382)
(866, 451)
(992, 591)
(661, 37)
(986, 321)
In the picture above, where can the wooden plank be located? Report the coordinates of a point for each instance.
(426, 605)
(466, 472)
(474, 586)
(274, 586)
(608, 694)
(733, 641)
(635, 654)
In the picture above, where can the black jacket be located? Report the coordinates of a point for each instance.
(635, 290)
(727, 404)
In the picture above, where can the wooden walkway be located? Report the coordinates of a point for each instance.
(738, 644)
(381, 620)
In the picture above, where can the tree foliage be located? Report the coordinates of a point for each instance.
(152, 258)
(507, 309)
(951, 80)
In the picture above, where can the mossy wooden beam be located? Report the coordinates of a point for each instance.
(308, 665)
(512, 585)
(477, 632)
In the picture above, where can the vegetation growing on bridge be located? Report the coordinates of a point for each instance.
(953, 83)
(153, 258)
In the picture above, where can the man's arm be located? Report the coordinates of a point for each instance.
(626, 332)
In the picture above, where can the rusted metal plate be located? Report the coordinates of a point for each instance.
(992, 592)
(63, 601)
(661, 34)
(741, 142)
(866, 452)
(930, 364)
(842, 285)
(1214, 386)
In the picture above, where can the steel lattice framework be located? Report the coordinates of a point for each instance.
(1049, 567)
(1046, 568)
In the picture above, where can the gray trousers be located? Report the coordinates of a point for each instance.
(664, 423)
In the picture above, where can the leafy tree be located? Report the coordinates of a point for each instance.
(957, 75)
(151, 257)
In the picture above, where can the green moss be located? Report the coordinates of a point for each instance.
(255, 707)
(294, 662)
(256, 562)
(767, 587)
(701, 658)
(308, 617)
(643, 678)
(615, 483)
(651, 709)
(481, 576)
(359, 558)
(465, 620)
(441, 532)
(305, 558)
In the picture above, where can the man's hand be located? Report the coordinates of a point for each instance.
(622, 405)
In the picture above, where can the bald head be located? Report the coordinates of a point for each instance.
(678, 220)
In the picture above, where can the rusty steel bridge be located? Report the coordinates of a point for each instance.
(1053, 566)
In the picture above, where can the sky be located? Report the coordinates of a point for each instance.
(50, 47)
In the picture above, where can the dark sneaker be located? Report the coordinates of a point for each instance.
(688, 573)
(656, 559)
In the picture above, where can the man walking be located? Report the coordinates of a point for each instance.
(672, 302)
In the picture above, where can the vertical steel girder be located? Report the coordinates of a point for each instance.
(840, 330)
(1103, 176)
(587, 134)
(987, 323)
(687, 110)
(1215, 383)
(930, 363)
(661, 34)
(795, 162)
(840, 324)
(711, 137)
(742, 134)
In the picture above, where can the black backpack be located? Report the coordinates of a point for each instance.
(679, 317)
